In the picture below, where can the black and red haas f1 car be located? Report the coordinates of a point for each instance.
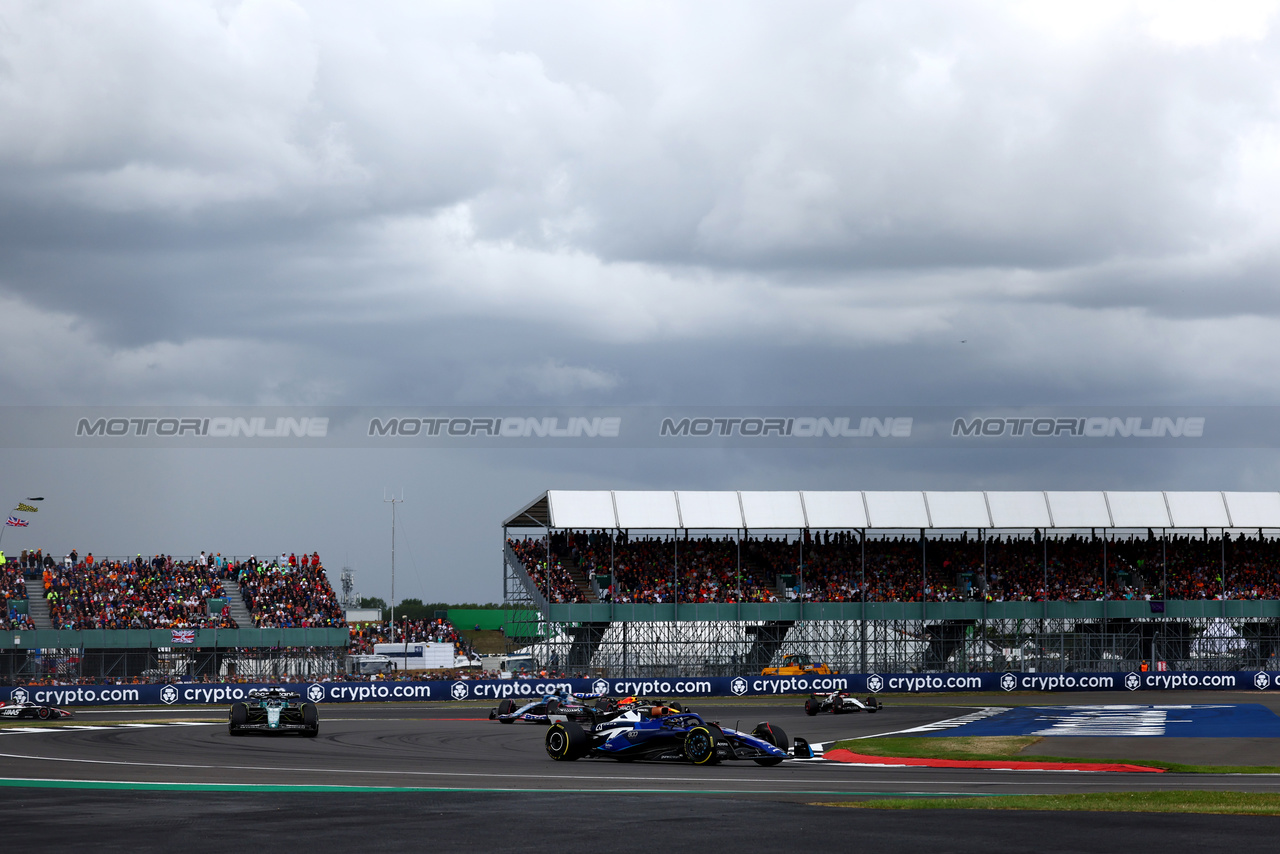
(840, 703)
(32, 712)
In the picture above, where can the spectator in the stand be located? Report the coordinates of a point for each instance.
(829, 566)
(283, 596)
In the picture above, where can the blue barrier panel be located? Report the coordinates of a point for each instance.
(200, 693)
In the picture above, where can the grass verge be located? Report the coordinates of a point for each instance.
(1215, 803)
(1011, 747)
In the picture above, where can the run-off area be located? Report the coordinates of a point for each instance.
(1247, 720)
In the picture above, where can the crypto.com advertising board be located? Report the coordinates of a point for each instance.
(204, 694)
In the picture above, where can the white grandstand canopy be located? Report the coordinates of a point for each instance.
(791, 510)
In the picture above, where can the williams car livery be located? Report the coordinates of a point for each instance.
(666, 735)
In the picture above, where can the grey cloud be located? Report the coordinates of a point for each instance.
(721, 204)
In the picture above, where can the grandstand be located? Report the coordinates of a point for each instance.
(719, 583)
(159, 617)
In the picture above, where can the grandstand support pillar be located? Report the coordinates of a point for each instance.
(1044, 597)
(862, 624)
(802, 533)
(1164, 564)
(1223, 543)
(924, 598)
(675, 572)
(982, 533)
(1105, 592)
(586, 640)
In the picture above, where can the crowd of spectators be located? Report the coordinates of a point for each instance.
(13, 589)
(155, 593)
(288, 592)
(836, 566)
(556, 583)
(365, 635)
(162, 592)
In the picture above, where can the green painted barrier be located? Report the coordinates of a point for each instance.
(489, 619)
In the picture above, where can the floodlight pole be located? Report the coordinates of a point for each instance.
(393, 501)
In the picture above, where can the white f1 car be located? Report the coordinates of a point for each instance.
(839, 703)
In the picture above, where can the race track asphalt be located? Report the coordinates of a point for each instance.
(442, 776)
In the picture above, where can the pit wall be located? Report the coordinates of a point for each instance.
(203, 694)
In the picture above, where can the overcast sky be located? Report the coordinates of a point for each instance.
(606, 204)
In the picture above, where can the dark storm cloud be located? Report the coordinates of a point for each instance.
(270, 202)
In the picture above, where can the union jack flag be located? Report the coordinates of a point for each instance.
(184, 635)
(16, 522)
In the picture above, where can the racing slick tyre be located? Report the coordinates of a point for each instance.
(311, 719)
(812, 705)
(676, 705)
(239, 716)
(773, 734)
(700, 746)
(566, 741)
(44, 713)
(553, 706)
(506, 707)
(873, 704)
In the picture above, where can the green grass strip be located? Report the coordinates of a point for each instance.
(996, 748)
(1210, 803)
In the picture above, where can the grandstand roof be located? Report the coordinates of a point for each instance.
(666, 509)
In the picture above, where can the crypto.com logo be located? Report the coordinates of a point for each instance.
(738, 686)
(459, 691)
(875, 683)
(168, 695)
(315, 693)
(1008, 681)
(19, 696)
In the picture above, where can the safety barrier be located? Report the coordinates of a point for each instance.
(200, 693)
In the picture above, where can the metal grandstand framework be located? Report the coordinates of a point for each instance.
(740, 638)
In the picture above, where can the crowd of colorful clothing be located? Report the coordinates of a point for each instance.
(439, 630)
(161, 592)
(839, 566)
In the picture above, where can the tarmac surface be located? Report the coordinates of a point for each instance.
(415, 776)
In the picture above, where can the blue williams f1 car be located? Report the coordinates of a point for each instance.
(669, 736)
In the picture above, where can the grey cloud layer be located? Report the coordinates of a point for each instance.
(269, 202)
